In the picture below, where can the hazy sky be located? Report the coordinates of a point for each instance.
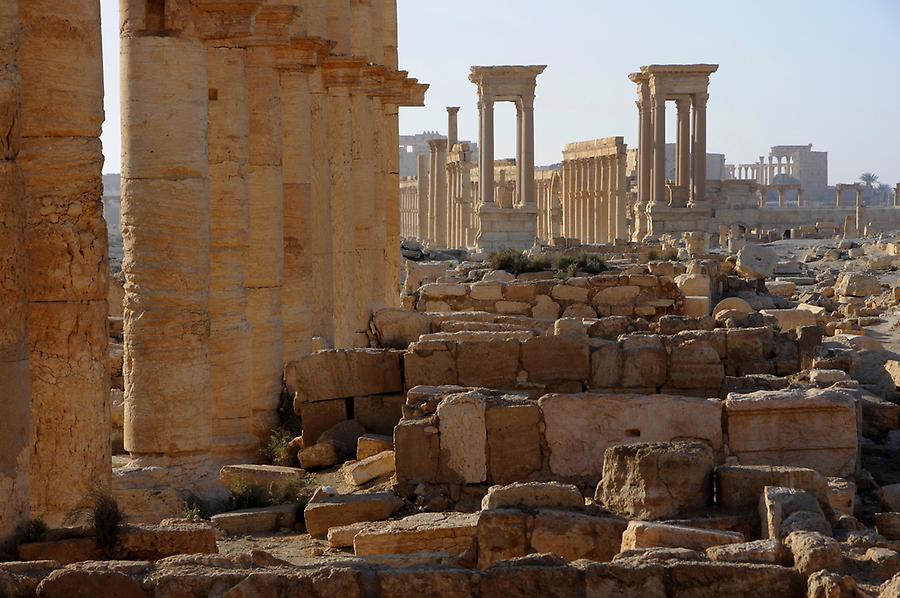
(825, 72)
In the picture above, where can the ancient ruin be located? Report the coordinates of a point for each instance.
(327, 368)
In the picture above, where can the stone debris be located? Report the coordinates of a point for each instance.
(452, 533)
(646, 534)
(326, 511)
(533, 495)
(370, 468)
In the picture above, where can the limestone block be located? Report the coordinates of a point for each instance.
(451, 582)
(416, 450)
(320, 416)
(66, 240)
(644, 534)
(260, 520)
(695, 364)
(696, 306)
(579, 310)
(545, 308)
(513, 307)
(519, 291)
(749, 345)
(576, 536)
(567, 292)
(857, 284)
(370, 468)
(756, 261)
(397, 328)
(781, 288)
(888, 525)
(644, 361)
(452, 533)
(813, 552)
(606, 364)
(555, 358)
(533, 495)
(342, 536)
(345, 373)
(321, 455)
(842, 496)
(442, 290)
(486, 291)
(372, 444)
(463, 438)
(580, 427)
(732, 304)
(695, 285)
(491, 364)
(435, 367)
(789, 319)
(778, 507)
(275, 478)
(498, 276)
(615, 296)
(759, 551)
(513, 441)
(740, 487)
(656, 480)
(501, 535)
(69, 400)
(813, 428)
(379, 413)
(324, 512)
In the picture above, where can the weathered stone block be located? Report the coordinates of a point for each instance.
(501, 535)
(580, 427)
(644, 361)
(576, 536)
(644, 534)
(656, 480)
(370, 468)
(491, 364)
(325, 512)
(812, 428)
(318, 417)
(513, 441)
(452, 533)
(249, 521)
(372, 444)
(533, 495)
(555, 358)
(463, 438)
(416, 450)
(327, 375)
(429, 367)
(739, 487)
(379, 413)
(606, 364)
(397, 328)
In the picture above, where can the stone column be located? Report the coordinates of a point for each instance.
(621, 224)
(452, 127)
(439, 174)
(609, 215)
(264, 274)
(645, 149)
(165, 226)
(780, 197)
(422, 187)
(698, 193)
(15, 406)
(897, 196)
(659, 148)
(229, 220)
(837, 193)
(486, 170)
(683, 145)
(369, 218)
(528, 198)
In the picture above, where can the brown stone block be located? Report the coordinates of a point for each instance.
(576, 536)
(514, 581)
(502, 535)
(492, 364)
(347, 373)
(435, 368)
(645, 360)
(514, 442)
(416, 449)
(606, 364)
(555, 358)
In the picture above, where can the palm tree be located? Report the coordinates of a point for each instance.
(883, 190)
(869, 179)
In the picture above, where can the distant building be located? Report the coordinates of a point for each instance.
(412, 146)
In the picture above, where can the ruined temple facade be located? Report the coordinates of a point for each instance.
(259, 199)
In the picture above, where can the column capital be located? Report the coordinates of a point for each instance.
(698, 100)
(682, 104)
(453, 110)
(342, 71)
(303, 54)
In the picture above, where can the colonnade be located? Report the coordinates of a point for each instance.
(409, 207)
(259, 181)
(781, 189)
(593, 190)
(763, 172)
(839, 190)
(548, 188)
(460, 213)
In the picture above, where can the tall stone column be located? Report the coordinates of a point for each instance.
(229, 220)
(61, 112)
(452, 126)
(528, 197)
(368, 217)
(439, 174)
(659, 148)
(15, 406)
(322, 247)
(486, 171)
(264, 274)
(609, 214)
(422, 187)
(683, 145)
(621, 210)
(518, 196)
(897, 196)
(837, 194)
(166, 230)
(698, 193)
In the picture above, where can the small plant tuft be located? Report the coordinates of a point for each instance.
(105, 517)
(277, 449)
(247, 496)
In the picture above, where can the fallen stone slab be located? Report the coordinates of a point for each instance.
(533, 495)
(370, 468)
(783, 510)
(452, 533)
(759, 551)
(645, 534)
(249, 521)
(274, 478)
(342, 536)
(321, 455)
(329, 510)
(739, 487)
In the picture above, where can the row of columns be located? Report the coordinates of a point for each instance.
(782, 190)
(593, 202)
(548, 190)
(409, 207)
(261, 216)
(54, 379)
(461, 221)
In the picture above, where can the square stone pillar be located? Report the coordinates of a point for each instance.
(452, 127)
(439, 202)
(528, 196)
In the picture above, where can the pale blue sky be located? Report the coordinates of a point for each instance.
(825, 72)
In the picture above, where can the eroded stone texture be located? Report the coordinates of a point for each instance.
(61, 112)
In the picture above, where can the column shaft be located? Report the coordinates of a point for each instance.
(321, 290)
(659, 149)
(621, 225)
(683, 145)
(528, 197)
(698, 194)
(422, 187)
(486, 174)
